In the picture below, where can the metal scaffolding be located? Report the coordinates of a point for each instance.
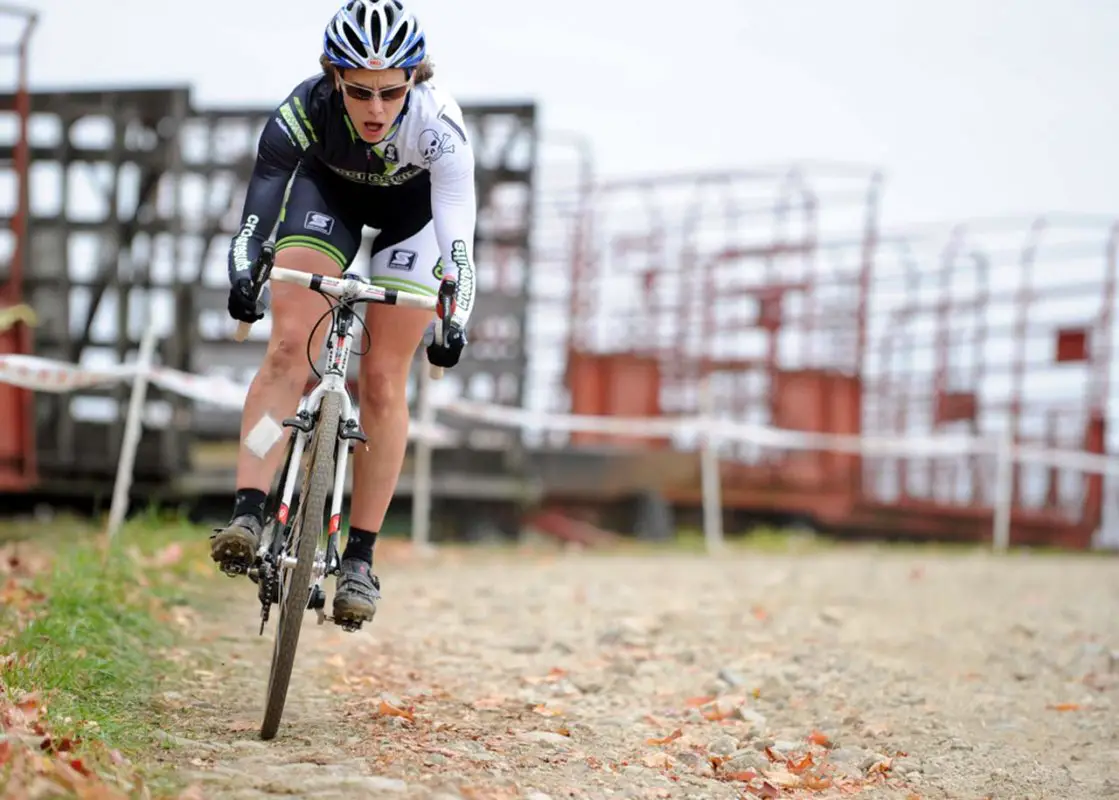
(136, 198)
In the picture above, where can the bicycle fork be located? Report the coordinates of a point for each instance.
(276, 546)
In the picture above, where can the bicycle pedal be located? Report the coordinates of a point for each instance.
(234, 568)
(348, 624)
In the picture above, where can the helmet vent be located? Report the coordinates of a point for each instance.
(397, 42)
(375, 33)
(355, 41)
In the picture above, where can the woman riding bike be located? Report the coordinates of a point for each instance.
(369, 141)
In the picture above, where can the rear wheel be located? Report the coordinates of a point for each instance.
(295, 584)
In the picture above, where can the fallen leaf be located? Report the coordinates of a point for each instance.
(723, 708)
(819, 738)
(545, 711)
(672, 737)
(694, 739)
(1064, 706)
(388, 710)
(696, 702)
(29, 705)
(882, 767)
(63, 745)
(746, 776)
(803, 765)
(779, 777)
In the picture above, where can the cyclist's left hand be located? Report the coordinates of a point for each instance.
(447, 354)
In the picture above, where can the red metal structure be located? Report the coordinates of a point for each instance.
(17, 422)
(683, 278)
(780, 290)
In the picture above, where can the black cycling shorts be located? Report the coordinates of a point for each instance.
(325, 212)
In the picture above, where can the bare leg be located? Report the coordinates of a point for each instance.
(396, 333)
(274, 393)
(278, 385)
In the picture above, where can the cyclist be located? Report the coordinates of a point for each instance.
(369, 141)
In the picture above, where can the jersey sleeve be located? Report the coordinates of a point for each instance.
(454, 205)
(281, 146)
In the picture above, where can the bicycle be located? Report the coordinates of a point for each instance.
(294, 557)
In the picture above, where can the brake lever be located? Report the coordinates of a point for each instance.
(444, 304)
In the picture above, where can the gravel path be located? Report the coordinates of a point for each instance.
(850, 671)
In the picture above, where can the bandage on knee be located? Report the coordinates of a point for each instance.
(263, 436)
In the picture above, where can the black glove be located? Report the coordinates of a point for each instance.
(447, 354)
(243, 307)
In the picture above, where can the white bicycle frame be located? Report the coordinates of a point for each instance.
(333, 380)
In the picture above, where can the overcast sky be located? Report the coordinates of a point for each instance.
(984, 108)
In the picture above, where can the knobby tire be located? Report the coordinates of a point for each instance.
(318, 482)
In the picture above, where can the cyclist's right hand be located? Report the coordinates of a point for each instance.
(242, 306)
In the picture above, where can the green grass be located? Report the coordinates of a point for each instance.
(94, 646)
(92, 649)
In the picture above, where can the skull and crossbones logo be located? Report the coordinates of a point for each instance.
(433, 145)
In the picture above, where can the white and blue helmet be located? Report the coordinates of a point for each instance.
(374, 34)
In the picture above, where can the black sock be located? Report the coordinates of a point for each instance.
(250, 501)
(359, 544)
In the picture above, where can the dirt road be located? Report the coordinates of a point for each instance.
(883, 673)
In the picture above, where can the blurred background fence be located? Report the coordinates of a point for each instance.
(768, 299)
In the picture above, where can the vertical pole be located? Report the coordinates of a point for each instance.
(1004, 490)
(132, 428)
(421, 488)
(709, 469)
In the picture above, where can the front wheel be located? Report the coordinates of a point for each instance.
(295, 590)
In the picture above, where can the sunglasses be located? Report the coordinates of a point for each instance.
(363, 94)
